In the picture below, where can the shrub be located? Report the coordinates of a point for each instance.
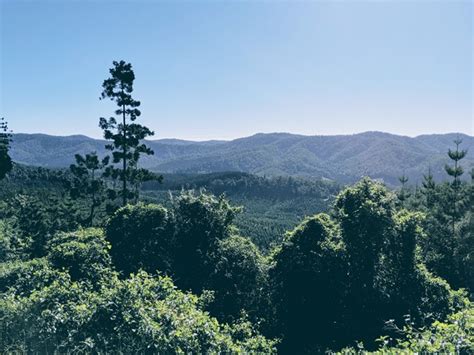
(200, 222)
(239, 279)
(141, 314)
(84, 254)
(140, 236)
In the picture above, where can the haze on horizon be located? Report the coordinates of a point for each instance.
(223, 70)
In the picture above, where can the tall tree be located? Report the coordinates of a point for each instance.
(403, 193)
(309, 278)
(124, 134)
(455, 171)
(87, 182)
(365, 214)
(6, 164)
(429, 188)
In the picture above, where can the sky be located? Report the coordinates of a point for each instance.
(228, 69)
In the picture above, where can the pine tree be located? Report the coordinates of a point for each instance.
(124, 134)
(6, 164)
(403, 193)
(456, 156)
(87, 182)
(429, 188)
(455, 171)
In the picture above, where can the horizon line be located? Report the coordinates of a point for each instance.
(252, 135)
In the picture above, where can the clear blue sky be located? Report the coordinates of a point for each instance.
(226, 69)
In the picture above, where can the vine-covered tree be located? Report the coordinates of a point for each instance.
(141, 236)
(125, 135)
(309, 279)
(365, 214)
(87, 181)
(5, 160)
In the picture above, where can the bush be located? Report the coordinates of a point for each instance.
(453, 336)
(142, 314)
(24, 277)
(140, 236)
(200, 222)
(10, 244)
(239, 279)
(84, 254)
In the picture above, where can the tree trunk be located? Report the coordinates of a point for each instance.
(124, 172)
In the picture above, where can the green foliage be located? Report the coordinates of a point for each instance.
(338, 279)
(152, 314)
(139, 314)
(365, 213)
(456, 156)
(125, 136)
(22, 179)
(270, 206)
(86, 182)
(141, 237)
(308, 281)
(84, 254)
(178, 278)
(21, 278)
(10, 244)
(448, 243)
(455, 335)
(192, 242)
(5, 160)
(200, 222)
(72, 301)
(335, 279)
(36, 220)
(435, 297)
(239, 280)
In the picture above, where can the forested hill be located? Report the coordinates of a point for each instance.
(344, 158)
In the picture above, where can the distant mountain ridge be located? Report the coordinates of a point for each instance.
(344, 158)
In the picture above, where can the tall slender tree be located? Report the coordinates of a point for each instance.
(455, 171)
(124, 134)
(429, 188)
(403, 193)
(6, 164)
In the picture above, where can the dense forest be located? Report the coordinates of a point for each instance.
(269, 205)
(110, 257)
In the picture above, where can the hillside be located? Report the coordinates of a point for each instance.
(344, 158)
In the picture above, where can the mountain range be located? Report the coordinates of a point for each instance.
(343, 158)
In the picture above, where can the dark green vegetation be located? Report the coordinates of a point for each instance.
(369, 269)
(5, 138)
(344, 159)
(270, 206)
(124, 135)
(89, 265)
